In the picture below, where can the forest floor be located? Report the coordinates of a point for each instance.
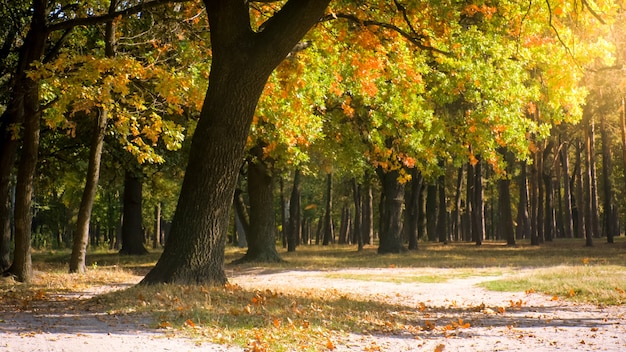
(452, 315)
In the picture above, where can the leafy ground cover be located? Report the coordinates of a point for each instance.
(259, 314)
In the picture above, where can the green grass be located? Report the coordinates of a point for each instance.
(284, 319)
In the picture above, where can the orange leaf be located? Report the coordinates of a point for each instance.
(330, 345)
(276, 322)
(440, 348)
(555, 298)
(165, 325)
(190, 323)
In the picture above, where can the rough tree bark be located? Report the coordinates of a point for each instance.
(242, 61)
(392, 200)
(24, 107)
(262, 228)
(132, 221)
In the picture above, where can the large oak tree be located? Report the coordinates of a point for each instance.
(242, 60)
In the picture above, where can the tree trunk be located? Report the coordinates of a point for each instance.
(242, 222)
(156, 240)
(391, 239)
(344, 227)
(581, 226)
(477, 205)
(595, 212)
(412, 207)
(431, 212)
(295, 225)
(442, 217)
(568, 226)
(242, 61)
(329, 232)
(284, 225)
(611, 228)
(132, 220)
(534, 200)
(456, 215)
(505, 211)
(358, 214)
(368, 211)
(522, 229)
(261, 238)
(79, 249)
(587, 185)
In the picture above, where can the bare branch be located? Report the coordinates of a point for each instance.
(595, 14)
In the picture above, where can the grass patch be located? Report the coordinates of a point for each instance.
(597, 284)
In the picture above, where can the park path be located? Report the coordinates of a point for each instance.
(498, 321)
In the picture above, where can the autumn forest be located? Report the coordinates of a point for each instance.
(192, 126)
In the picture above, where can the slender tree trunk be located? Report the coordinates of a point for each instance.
(283, 214)
(284, 221)
(478, 206)
(242, 221)
(367, 224)
(595, 212)
(534, 200)
(358, 214)
(391, 239)
(421, 212)
(156, 240)
(79, 249)
(588, 192)
(344, 228)
(431, 212)
(442, 217)
(610, 214)
(329, 231)
(581, 225)
(567, 193)
(522, 229)
(261, 238)
(456, 215)
(295, 226)
(469, 203)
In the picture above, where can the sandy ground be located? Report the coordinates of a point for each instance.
(496, 323)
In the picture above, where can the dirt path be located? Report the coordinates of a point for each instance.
(497, 321)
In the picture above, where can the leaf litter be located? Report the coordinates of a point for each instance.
(306, 311)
